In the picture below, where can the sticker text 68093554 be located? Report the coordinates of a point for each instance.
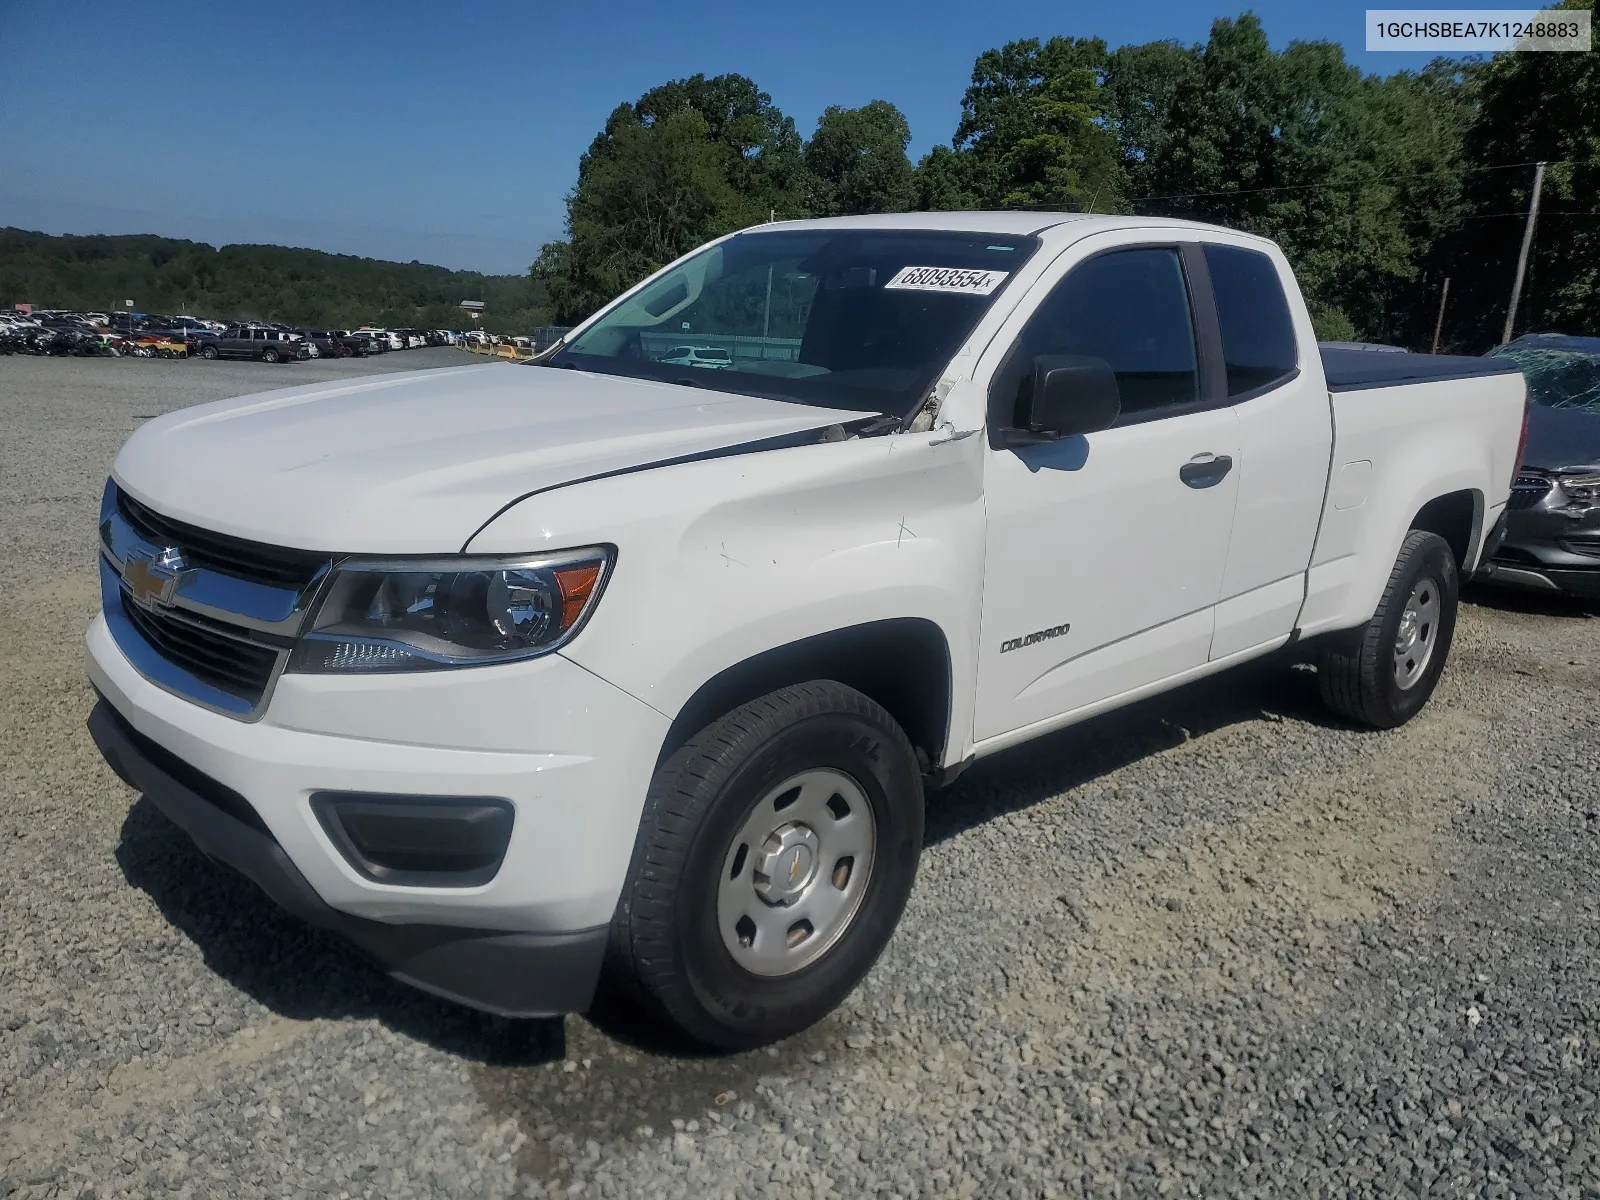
(947, 279)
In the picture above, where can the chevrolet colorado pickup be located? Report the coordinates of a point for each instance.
(615, 668)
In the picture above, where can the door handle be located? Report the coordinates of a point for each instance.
(1205, 470)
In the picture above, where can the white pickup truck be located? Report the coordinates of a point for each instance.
(637, 665)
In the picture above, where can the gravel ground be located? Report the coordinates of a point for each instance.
(1214, 945)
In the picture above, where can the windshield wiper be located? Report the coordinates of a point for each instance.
(877, 426)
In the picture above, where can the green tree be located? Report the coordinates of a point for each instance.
(1531, 107)
(856, 161)
(1035, 131)
(1354, 176)
(277, 283)
(1144, 84)
(690, 160)
(763, 147)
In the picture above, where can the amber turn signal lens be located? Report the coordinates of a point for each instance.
(577, 585)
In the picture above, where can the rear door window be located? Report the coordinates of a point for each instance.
(1258, 346)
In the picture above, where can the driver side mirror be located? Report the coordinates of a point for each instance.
(1070, 395)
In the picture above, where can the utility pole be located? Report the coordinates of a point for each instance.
(766, 313)
(1527, 244)
(1439, 324)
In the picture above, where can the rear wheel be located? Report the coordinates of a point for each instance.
(270, 354)
(774, 858)
(1383, 673)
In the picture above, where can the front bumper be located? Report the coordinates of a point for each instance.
(570, 752)
(1547, 550)
(512, 974)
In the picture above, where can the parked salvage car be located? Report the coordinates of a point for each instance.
(153, 344)
(1549, 539)
(258, 341)
(349, 344)
(715, 358)
(390, 339)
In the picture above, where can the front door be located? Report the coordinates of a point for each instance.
(1105, 553)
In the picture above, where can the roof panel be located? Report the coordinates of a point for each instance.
(1012, 221)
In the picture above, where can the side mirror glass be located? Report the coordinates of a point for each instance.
(1070, 395)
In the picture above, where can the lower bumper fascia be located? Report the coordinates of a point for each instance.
(508, 974)
(1582, 583)
(1576, 583)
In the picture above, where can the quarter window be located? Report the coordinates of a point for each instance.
(1130, 308)
(1258, 346)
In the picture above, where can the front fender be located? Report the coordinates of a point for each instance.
(723, 559)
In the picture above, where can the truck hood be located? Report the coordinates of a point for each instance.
(416, 462)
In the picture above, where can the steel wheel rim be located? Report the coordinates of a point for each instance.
(1418, 634)
(795, 874)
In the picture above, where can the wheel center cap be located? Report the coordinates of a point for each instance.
(786, 863)
(1408, 631)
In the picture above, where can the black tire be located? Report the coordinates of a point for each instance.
(1359, 672)
(208, 352)
(666, 949)
(270, 354)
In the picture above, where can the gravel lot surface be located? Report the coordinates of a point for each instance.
(1215, 945)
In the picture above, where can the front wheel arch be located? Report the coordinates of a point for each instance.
(902, 664)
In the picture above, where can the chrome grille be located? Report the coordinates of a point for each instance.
(1528, 490)
(272, 565)
(206, 616)
(227, 662)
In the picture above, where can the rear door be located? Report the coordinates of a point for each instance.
(1285, 439)
(1105, 553)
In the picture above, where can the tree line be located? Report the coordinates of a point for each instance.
(243, 282)
(1378, 188)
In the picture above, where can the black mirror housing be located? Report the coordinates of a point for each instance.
(1070, 395)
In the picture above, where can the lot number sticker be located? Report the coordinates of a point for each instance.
(947, 279)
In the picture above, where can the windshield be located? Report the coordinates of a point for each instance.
(1558, 377)
(861, 319)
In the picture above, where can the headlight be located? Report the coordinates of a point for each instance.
(1582, 489)
(450, 612)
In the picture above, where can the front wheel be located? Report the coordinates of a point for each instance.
(1382, 673)
(774, 858)
(208, 352)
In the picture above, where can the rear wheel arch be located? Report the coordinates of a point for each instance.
(1457, 517)
(902, 664)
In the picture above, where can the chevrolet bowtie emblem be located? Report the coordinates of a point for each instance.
(154, 582)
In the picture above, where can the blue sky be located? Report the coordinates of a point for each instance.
(451, 133)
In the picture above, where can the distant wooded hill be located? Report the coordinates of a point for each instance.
(268, 283)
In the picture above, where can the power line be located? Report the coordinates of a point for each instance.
(1303, 187)
(1547, 214)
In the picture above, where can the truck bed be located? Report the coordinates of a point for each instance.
(1355, 370)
